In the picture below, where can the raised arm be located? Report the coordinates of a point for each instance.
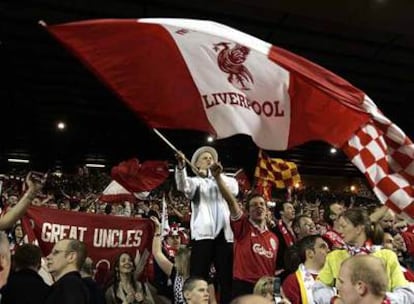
(216, 170)
(185, 184)
(165, 264)
(34, 184)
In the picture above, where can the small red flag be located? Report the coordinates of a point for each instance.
(138, 177)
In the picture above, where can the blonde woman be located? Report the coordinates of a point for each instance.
(265, 287)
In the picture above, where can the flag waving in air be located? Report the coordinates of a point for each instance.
(280, 173)
(201, 75)
(139, 177)
(132, 179)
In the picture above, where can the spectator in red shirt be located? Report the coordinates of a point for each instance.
(254, 243)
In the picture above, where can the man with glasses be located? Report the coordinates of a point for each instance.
(64, 263)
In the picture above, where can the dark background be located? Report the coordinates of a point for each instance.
(368, 42)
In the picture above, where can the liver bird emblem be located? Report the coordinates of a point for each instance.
(230, 60)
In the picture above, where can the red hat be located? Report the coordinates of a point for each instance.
(175, 230)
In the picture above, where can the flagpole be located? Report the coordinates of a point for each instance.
(238, 171)
(175, 149)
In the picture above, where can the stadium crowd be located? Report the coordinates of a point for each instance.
(221, 245)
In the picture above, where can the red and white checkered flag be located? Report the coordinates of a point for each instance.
(385, 155)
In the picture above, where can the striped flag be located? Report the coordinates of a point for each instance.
(281, 173)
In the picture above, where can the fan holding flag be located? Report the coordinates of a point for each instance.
(211, 234)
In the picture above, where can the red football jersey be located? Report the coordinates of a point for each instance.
(255, 251)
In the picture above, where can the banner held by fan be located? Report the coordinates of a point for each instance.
(202, 75)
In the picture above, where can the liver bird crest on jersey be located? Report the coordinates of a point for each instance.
(230, 60)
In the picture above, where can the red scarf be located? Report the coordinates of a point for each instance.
(287, 235)
(335, 238)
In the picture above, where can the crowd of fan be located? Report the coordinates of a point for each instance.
(81, 191)
(310, 218)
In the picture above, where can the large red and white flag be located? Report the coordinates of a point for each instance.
(192, 74)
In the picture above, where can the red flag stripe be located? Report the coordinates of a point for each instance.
(323, 104)
(166, 85)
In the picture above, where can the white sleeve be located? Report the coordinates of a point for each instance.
(322, 294)
(402, 295)
(185, 184)
(232, 184)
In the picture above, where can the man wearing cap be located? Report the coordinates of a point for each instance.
(211, 234)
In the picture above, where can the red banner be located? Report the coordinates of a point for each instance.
(105, 236)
